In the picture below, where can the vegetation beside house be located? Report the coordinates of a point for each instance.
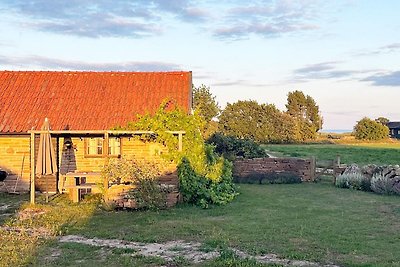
(205, 178)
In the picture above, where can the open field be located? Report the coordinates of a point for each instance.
(372, 153)
(314, 222)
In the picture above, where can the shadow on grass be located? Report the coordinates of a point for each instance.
(25, 228)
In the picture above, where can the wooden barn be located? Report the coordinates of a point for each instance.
(394, 129)
(81, 108)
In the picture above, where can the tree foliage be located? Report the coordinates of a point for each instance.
(367, 129)
(230, 147)
(382, 120)
(263, 123)
(304, 107)
(205, 177)
(204, 103)
(246, 119)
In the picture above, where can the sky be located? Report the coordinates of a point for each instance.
(343, 53)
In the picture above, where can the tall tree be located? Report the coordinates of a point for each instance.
(304, 108)
(204, 103)
(244, 119)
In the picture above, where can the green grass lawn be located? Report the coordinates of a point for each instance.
(379, 154)
(316, 222)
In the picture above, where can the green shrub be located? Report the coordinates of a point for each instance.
(231, 147)
(341, 181)
(367, 129)
(396, 186)
(355, 180)
(202, 191)
(124, 171)
(382, 184)
(149, 194)
(270, 178)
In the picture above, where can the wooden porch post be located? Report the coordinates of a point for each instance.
(180, 146)
(106, 144)
(32, 168)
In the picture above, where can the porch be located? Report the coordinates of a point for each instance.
(82, 154)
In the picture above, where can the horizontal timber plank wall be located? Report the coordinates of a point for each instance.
(14, 158)
(303, 168)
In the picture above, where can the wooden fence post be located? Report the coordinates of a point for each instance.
(338, 161)
(313, 168)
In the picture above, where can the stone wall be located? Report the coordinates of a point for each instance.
(303, 168)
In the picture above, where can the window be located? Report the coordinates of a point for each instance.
(94, 147)
(114, 146)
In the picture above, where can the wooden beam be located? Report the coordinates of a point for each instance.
(105, 153)
(32, 150)
(180, 143)
(102, 132)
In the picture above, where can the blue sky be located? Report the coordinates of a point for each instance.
(344, 53)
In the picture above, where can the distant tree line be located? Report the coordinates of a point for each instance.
(262, 123)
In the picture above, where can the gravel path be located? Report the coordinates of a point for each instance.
(191, 251)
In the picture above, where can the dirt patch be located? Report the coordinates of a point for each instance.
(191, 251)
(29, 213)
(33, 232)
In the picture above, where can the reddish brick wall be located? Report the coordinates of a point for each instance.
(303, 168)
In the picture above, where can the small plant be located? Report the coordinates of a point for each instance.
(142, 176)
(149, 195)
(354, 180)
(396, 186)
(382, 184)
(341, 181)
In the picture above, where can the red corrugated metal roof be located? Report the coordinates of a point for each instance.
(86, 100)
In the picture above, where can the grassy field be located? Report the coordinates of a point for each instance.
(363, 153)
(316, 222)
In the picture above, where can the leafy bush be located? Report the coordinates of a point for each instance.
(396, 186)
(367, 129)
(199, 168)
(270, 178)
(341, 181)
(355, 180)
(124, 171)
(147, 192)
(203, 191)
(382, 184)
(231, 147)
